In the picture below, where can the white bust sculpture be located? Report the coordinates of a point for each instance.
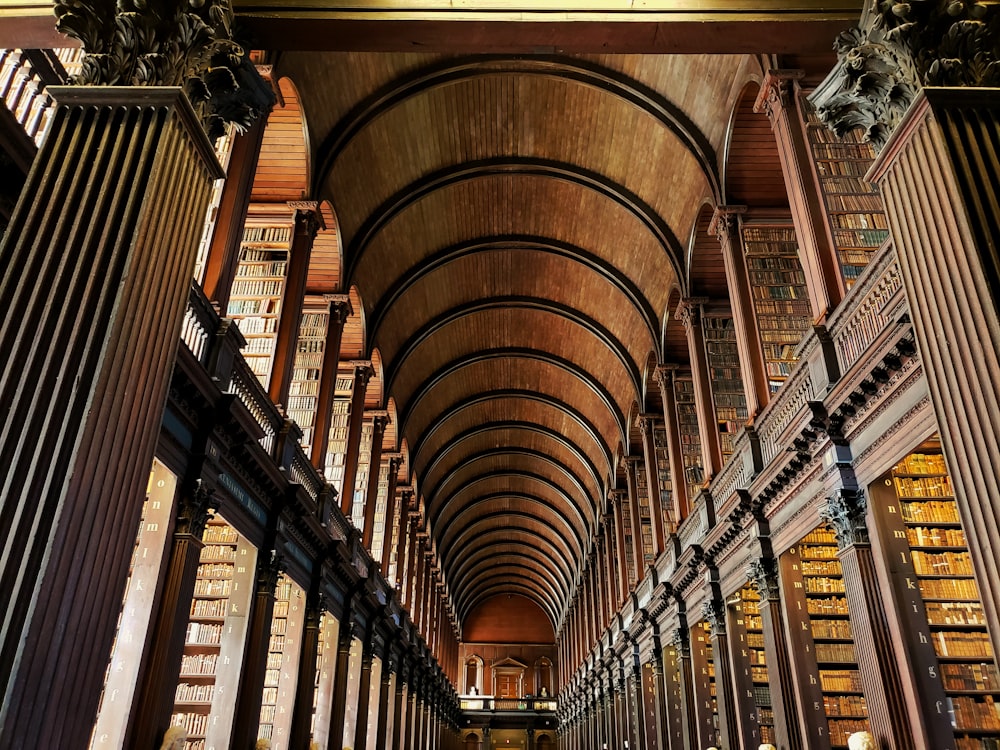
(767, 746)
(174, 739)
(861, 741)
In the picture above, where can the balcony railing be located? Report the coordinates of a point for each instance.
(493, 704)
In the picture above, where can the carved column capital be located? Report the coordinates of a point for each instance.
(845, 513)
(195, 510)
(681, 642)
(689, 311)
(363, 372)
(308, 220)
(763, 572)
(713, 612)
(777, 92)
(895, 50)
(725, 220)
(664, 373)
(169, 43)
(269, 569)
(340, 308)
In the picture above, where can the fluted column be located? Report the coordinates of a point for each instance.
(684, 734)
(397, 713)
(341, 677)
(363, 372)
(617, 498)
(639, 558)
(715, 615)
(306, 223)
(95, 268)
(364, 694)
(689, 312)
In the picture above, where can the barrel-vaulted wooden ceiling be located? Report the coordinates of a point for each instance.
(515, 230)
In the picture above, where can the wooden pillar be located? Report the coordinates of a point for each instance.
(224, 252)
(689, 312)
(340, 310)
(715, 615)
(338, 708)
(364, 694)
(639, 558)
(685, 711)
(362, 374)
(660, 699)
(726, 226)
(416, 597)
(780, 98)
(379, 423)
(647, 423)
(763, 572)
(615, 597)
(153, 705)
(873, 642)
(664, 375)
(390, 519)
(107, 228)
(306, 222)
(634, 687)
(247, 714)
(617, 498)
(411, 554)
(397, 713)
(305, 684)
(936, 176)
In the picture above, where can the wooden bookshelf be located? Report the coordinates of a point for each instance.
(661, 451)
(255, 298)
(303, 393)
(281, 675)
(626, 530)
(705, 690)
(381, 505)
(928, 527)
(336, 450)
(687, 427)
(645, 520)
(727, 382)
(815, 582)
(853, 205)
(361, 478)
(748, 629)
(780, 296)
(215, 638)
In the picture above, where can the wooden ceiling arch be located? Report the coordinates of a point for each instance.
(518, 166)
(447, 71)
(487, 584)
(529, 592)
(537, 404)
(481, 558)
(527, 563)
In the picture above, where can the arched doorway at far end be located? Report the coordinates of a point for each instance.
(473, 741)
(544, 742)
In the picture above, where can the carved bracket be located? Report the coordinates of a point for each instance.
(845, 514)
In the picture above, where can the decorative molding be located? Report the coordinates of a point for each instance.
(777, 92)
(895, 50)
(845, 513)
(714, 613)
(269, 568)
(186, 43)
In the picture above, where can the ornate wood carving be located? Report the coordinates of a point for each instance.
(896, 49)
(170, 43)
(845, 513)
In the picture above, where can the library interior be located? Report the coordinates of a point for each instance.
(459, 375)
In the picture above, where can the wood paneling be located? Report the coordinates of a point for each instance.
(508, 619)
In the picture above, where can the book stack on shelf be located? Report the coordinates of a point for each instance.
(394, 577)
(826, 605)
(780, 297)
(381, 505)
(687, 427)
(361, 478)
(661, 452)
(255, 298)
(219, 574)
(954, 611)
(853, 205)
(645, 521)
(727, 382)
(277, 702)
(303, 392)
(707, 704)
(760, 690)
(626, 511)
(336, 450)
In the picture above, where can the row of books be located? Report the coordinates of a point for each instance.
(204, 633)
(930, 536)
(824, 585)
(218, 552)
(200, 664)
(972, 644)
(924, 487)
(187, 693)
(955, 613)
(974, 713)
(840, 680)
(193, 723)
(949, 588)
(835, 652)
(970, 677)
(845, 705)
(215, 570)
(209, 587)
(267, 234)
(942, 563)
(922, 463)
